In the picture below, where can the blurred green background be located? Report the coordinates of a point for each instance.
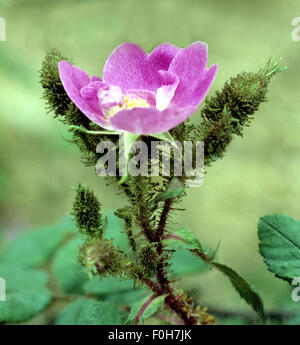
(260, 173)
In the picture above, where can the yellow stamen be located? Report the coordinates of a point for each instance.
(128, 103)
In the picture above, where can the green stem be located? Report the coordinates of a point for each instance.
(84, 130)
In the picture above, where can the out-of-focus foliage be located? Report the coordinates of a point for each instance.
(90, 312)
(62, 278)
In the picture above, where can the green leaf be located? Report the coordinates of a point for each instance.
(166, 136)
(25, 293)
(184, 262)
(84, 130)
(89, 312)
(175, 188)
(70, 274)
(66, 268)
(23, 305)
(114, 290)
(145, 308)
(182, 238)
(294, 321)
(125, 298)
(34, 248)
(66, 225)
(111, 285)
(280, 245)
(18, 278)
(243, 288)
(116, 231)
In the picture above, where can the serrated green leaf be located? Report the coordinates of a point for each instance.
(145, 308)
(280, 245)
(243, 288)
(174, 189)
(23, 305)
(90, 312)
(184, 262)
(18, 278)
(70, 274)
(182, 238)
(34, 248)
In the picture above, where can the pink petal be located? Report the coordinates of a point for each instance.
(162, 55)
(91, 90)
(109, 97)
(74, 80)
(148, 96)
(166, 92)
(95, 78)
(203, 86)
(149, 120)
(189, 65)
(128, 67)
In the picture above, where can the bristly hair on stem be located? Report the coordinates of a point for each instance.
(240, 97)
(54, 93)
(87, 213)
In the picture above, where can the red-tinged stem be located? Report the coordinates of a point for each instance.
(171, 300)
(144, 307)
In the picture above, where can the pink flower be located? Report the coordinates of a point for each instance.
(142, 93)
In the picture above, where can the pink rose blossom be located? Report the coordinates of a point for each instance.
(142, 93)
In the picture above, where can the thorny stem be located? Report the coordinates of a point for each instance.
(147, 229)
(160, 271)
(163, 220)
(131, 239)
(163, 287)
(171, 300)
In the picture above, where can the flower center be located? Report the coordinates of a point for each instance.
(127, 104)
